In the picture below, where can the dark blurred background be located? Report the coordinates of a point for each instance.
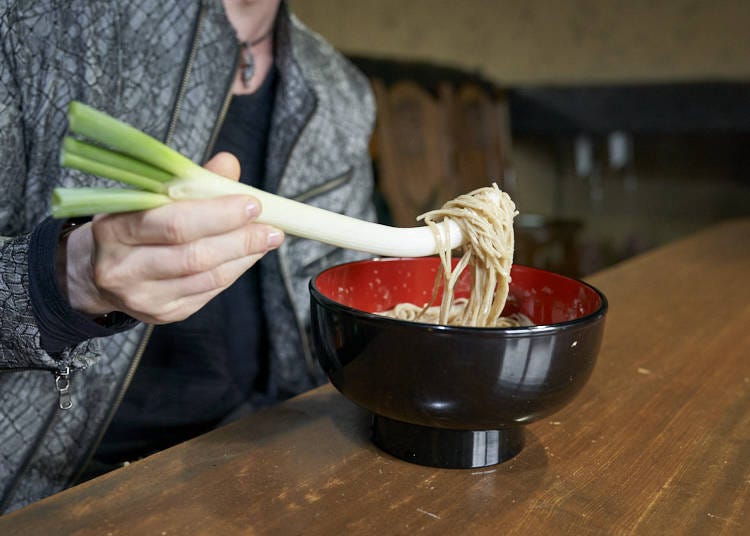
(616, 126)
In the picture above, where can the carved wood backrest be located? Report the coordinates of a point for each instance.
(432, 148)
(476, 137)
(412, 150)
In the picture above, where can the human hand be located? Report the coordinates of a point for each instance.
(162, 265)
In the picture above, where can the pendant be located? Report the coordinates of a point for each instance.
(248, 67)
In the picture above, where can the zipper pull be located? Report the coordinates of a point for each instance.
(62, 384)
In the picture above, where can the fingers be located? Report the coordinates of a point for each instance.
(164, 264)
(189, 219)
(225, 164)
(167, 283)
(161, 302)
(202, 255)
(181, 222)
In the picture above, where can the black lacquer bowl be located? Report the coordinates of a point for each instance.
(453, 396)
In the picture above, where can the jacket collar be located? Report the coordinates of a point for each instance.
(294, 104)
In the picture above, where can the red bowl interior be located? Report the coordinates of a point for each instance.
(379, 284)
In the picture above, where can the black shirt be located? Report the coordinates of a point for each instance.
(196, 372)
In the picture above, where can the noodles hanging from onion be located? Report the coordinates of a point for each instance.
(485, 217)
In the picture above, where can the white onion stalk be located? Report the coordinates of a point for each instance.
(163, 175)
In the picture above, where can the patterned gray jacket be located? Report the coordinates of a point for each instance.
(164, 66)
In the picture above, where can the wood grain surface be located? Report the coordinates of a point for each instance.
(658, 442)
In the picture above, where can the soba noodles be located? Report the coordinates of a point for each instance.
(485, 217)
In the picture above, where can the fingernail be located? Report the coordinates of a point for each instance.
(252, 210)
(275, 238)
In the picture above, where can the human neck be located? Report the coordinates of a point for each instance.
(253, 21)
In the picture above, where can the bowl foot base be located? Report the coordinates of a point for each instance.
(440, 447)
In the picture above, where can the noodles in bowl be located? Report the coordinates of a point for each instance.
(485, 217)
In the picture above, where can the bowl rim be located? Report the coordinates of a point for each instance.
(520, 331)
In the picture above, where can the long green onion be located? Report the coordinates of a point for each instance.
(118, 151)
(110, 158)
(73, 202)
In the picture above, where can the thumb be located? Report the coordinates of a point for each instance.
(225, 164)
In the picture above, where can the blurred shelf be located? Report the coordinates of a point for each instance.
(683, 108)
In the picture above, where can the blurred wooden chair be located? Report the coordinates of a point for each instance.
(480, 130)
(438, 137)
(412, 150)
(430, 148)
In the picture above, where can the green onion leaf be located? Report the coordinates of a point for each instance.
(110, 172)
(114, 159)
(75, 202)
(98, 126)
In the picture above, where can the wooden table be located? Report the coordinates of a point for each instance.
(657, 442)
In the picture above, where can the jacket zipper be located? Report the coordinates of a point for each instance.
(224, 107)
(306, 350)
(186, 74)
(149, 327)
(325, 187)
(62, 378)
(62, 384)
(302, 198)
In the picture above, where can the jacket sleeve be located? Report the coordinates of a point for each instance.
(19, 334)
